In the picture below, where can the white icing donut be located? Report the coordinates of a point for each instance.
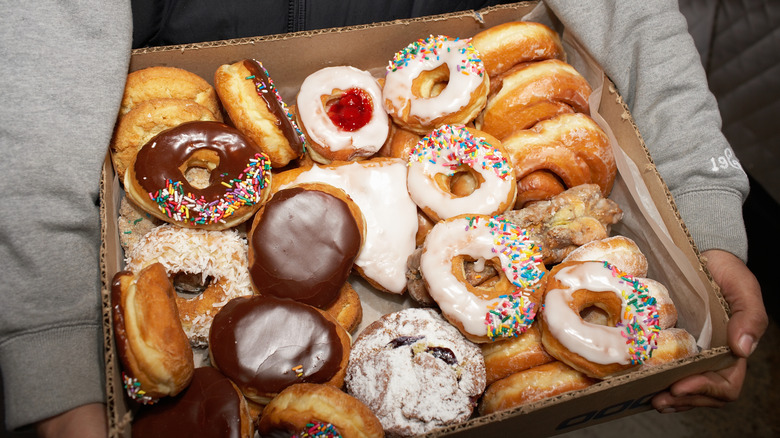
(314, 100)
(451, 149)
(465, 92)
(511, 304)
(378, 187)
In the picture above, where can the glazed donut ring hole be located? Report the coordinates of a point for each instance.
(598, 308)
(483, 277)
(462, 183)
(431, 83)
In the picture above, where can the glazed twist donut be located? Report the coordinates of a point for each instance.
(537, 91)
(433, 82)
(567, 150)
(341, 113)
(506, 45)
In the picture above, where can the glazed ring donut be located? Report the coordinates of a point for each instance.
(340, 111)
(211, 406)
(500, 308)
(503, 46)
(239, 180)
(256, 108)
(532, 384)
(508, 356)
(620, 251)
(415, 371)
(155, 353)
(162, 82)
(265, 344)
(599, 351)
(306, 409)
(413, 92)
(456, 170)
(534, 92)
(218, 258)
(147, 119)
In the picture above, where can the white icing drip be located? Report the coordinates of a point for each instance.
(315, 118)
(456, 95)
(391, 216)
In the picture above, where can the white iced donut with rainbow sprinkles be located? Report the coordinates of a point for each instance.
(631, 331)
(435, 81)
(499, 307)
(451, 154)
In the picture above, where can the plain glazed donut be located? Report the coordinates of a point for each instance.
(265, 344)
(211, 406)
(152, 347)
(508, 356)
(599, 351)
(219, 258)
(314, 410)
(239, 183)
(529, 94)
(618, 251)
(256, 108)
(413, 93)
(456, 170)
(571, 149)
(340, 111)
(501, 308)
(533, 384)
(163, 82)
(415, 371)
(506, 45)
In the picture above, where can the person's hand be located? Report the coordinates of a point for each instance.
(746, 326)
(86, 421)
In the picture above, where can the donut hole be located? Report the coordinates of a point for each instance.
(594, 315)
(463, 182)
(189, 285)
(197, 169)
(599, 308)
(483, 277)
(431, 83)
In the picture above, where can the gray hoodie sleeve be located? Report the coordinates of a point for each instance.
(644, 47)
(63, 71)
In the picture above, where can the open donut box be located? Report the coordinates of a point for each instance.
(651, 218)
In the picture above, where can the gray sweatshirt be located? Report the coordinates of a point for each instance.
(62, 77)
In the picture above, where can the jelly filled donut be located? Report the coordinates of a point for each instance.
(456, 170)
(435, 81)
(239, 176)
(210, 407)
(503, 307)
(506, 45)
(309, 409)
(155, 353)
(599, 351)
(256, 108)
(340, 111)
(415, 371)
(265, 344)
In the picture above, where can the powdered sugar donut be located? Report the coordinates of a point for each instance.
(416, 372)
(219, 258)
(340, 111)
(503, 307)
(453, 153)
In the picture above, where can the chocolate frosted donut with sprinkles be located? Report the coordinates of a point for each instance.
(238, 183)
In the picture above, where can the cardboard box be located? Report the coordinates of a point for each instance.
(651, 218)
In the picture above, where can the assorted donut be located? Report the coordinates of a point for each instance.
(467, 176)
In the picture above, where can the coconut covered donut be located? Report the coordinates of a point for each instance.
(238, 185)
(218, 258)
(163, 82)
(456, 170)
(152, 347)
(506, 45)
(415, 371)
(256, 108)
(502, 307)
(435, 81)
(341, 113)
(626, 340)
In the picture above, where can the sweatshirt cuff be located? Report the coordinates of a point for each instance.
(714, 220)
(50, 371)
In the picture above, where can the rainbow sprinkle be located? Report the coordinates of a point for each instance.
(510, 316)
(245, 190)
(432, 48)
(318, 429)
(453, 146)
(261, 88)
(134, 391)
(641, 317)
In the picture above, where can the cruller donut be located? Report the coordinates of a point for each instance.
(239, 180)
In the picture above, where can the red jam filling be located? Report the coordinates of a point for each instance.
(352, 110)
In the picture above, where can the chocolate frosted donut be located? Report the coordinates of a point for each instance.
(211, 406)
(264, 344)
(303, 243)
